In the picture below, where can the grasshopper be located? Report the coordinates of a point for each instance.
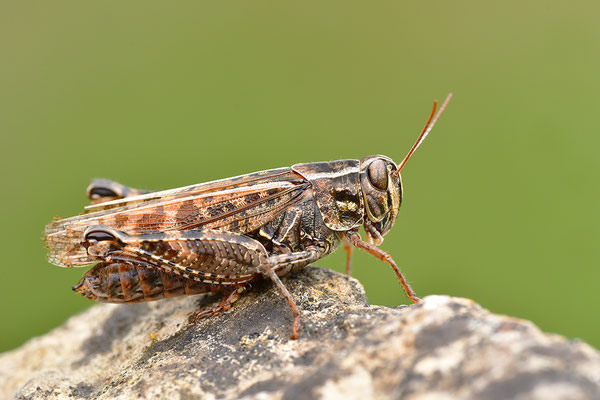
(224, 235)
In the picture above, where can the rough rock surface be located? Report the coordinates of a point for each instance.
(442, 348)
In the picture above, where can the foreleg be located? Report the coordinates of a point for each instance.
(355, 239)
(349, 250)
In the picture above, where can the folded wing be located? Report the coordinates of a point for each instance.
(238, 205)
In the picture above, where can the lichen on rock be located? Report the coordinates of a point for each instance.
(441, 348)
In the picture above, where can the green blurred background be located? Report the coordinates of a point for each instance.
(501, 202)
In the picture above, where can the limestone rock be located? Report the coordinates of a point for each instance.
(442, 348)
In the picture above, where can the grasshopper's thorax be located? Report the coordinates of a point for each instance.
(382, 192)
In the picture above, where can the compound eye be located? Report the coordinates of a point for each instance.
(378, 174)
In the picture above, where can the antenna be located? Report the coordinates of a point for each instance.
(428, 127)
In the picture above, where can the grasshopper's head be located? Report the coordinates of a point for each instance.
(382, 192)
(381, 184)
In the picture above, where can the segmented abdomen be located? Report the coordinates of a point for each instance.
(126, 283)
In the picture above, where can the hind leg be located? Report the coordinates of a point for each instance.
(102, 190)
(224, 305)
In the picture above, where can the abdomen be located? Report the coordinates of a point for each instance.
(125, 283)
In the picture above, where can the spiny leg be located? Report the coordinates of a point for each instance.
(356, 240)
(282, 264)
(286, 294)
(178, 253)
(214, 257)
(224, 305)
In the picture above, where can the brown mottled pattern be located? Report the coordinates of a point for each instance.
(234, 205)
(127, 283)
(256, 178)
(203, 255)
(229, 232)
(207, 256)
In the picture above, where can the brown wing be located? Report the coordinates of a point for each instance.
(271, 175)
(238, 205)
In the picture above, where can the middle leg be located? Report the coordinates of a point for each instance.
(356, 240)
(282, 264)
